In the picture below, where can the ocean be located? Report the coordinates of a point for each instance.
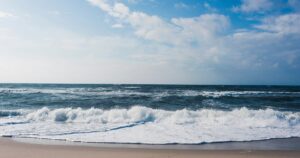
(149, 114)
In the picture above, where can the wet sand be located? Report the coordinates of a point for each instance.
(15, 149)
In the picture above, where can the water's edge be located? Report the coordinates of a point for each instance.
(269, 144)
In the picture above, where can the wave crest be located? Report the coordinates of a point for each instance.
(92, 115)
(184, 116)
(153, 126)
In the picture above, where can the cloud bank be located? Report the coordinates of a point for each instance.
(140, 47)
(209, 40)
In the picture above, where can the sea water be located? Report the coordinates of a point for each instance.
(149, 114)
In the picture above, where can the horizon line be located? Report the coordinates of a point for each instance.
(167, 84)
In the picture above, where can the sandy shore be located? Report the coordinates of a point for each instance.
(13, 149)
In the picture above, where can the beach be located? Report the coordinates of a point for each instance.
(10, 148)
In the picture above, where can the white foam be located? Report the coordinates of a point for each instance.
(152, 126)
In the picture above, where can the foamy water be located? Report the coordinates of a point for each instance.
(152, 126)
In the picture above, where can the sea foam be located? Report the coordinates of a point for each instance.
(140, 124)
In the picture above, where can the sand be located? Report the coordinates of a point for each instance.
(13, 149)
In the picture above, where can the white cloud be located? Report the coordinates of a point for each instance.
(153, 28)
(262, 50)
(146, 26)
(6, 15)
(203, 27)
(178, 31)
(259, 6)
(70, 57)
(204, 40)
(118, 10)
(103, 5)
(285, 24)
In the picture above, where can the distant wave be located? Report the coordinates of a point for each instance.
(150, 126)
(133, 91)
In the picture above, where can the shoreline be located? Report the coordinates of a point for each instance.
(11, 148)
(268, 144)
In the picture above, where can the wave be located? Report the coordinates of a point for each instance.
(134, 91)
(152, 126)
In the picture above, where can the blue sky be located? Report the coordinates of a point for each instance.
(150, 41)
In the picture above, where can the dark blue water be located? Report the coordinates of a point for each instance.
(167, 97)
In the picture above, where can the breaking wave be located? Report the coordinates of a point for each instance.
(140, 124)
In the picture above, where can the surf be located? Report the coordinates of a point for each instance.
(140, 124)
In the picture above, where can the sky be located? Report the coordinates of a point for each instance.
(150, 41)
